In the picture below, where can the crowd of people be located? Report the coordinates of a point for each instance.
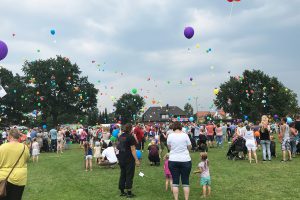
(172, 142)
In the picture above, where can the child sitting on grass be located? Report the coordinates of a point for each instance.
(203, 169)
(88, 152)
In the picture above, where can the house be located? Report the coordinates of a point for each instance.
(164, 114)
(219, 114)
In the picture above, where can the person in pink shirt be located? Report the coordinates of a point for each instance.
(167, 172)
(210, 134)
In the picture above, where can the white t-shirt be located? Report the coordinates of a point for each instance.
(242, 131)
(110, 154)
(249, 136)
(4, 135)
(197, 131)
(179, 147)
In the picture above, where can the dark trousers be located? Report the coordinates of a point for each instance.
(180, 170)
(13, 192)
(54, 145)
(126, 175)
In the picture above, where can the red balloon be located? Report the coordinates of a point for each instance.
(230, 1)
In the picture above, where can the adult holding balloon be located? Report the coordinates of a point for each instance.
(127, 161)
(3, 50)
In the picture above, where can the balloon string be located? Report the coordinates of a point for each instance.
(231, 10)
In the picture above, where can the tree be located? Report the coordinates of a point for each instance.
(14, 103)
(188, 108)
(54, 87)
(93, 116)
(128, 107)
(255, 94)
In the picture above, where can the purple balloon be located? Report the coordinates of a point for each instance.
(3, 50)
(188, 32)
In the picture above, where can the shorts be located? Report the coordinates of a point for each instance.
(251, 146)
(210, 138)
(89, 157)
(168, 176)
(205, 181)
(285, 145)
(180, 170)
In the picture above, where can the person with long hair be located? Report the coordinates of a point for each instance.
(203, 169)
(9, 154)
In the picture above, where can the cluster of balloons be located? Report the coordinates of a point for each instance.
(3, 50)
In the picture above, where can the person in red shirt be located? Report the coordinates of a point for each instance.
(139, 133)
(210, 134)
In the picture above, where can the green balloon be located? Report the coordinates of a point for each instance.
(113, 139)
(134, 91)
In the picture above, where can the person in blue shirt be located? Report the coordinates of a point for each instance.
(33, 134)
(53, 135)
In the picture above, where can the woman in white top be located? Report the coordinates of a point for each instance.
(180, 163)
(250, 143)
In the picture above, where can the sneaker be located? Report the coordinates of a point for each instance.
(123, 194)
(130, 195)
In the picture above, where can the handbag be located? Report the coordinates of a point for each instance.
(3, 183)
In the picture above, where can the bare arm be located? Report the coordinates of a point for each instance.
(133, 151)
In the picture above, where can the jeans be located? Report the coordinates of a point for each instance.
(180, 170)
(54, 145)
(293, 147)
(126, 175)
(219, 139)
(266, 149)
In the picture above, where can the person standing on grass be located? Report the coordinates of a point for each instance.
(203, 169)
(293, 135)
(88, 152)
(219, 136)
(210, 134)
(167, 172)
(127, 160)
(285, 143)
(9, 154)
(35, 150)
(250, 144)
(265, 141)
(60, 141)
(53, 135)
(180, 163)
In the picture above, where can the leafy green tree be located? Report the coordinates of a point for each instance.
(14, 103)
(93, 116)
(254, 94)
(188, 108)
(54, 86)
(128, 107)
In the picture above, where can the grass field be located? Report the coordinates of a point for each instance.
(64, 178)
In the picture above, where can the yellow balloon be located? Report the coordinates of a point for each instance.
(216, 91)
(197, 46)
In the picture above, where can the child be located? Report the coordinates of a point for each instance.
(250, 143)
(153, 153)
(35, 150)
(205, 175)
(167, 172)
(88, 156)
(97, 152)
(273, 147)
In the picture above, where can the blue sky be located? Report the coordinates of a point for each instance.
(133, 41)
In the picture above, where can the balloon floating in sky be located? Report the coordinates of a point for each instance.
(216, 91)
(3, 50)
(52, 31)
(134, 91)
(189, 32)
(230, 1)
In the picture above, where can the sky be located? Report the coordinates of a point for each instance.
(126, 44)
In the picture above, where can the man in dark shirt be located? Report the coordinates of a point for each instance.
(127, 160)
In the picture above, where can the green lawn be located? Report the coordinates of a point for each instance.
(62, 178)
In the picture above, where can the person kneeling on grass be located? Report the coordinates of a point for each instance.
(88, 152)
(108, 156)
(153, 153)
(203, 169)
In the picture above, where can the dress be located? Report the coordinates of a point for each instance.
(35, 149)
(97, 153)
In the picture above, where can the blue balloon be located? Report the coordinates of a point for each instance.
(44, 126)
(115, 133)
(139, 154)
(178, 118)
(289, 120)
(245, 117)
(191, 119)
(52, 32)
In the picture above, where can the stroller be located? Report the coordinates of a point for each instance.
(237, 150)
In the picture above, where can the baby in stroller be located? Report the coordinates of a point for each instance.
(237, 150)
